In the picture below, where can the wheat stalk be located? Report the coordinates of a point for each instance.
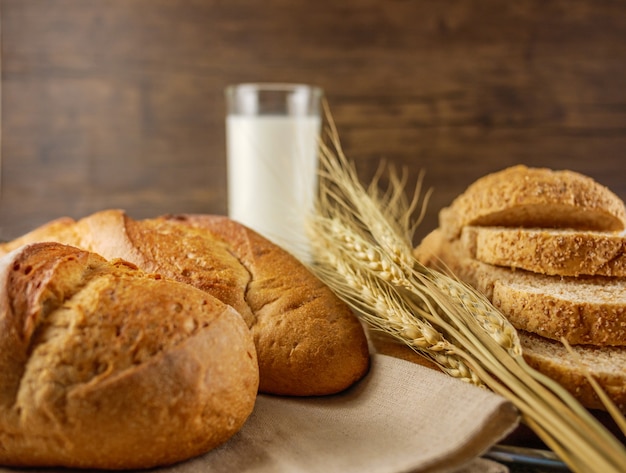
(375, 299)
(362, 248)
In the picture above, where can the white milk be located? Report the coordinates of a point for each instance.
(272, 175)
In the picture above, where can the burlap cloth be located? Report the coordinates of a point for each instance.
(402, 417)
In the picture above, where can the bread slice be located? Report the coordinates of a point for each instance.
(545, 353)
(308, 341)
(520, 196)
(582, 310)
(605, 364)
(557, 252)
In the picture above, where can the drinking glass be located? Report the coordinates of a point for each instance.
(272, 140)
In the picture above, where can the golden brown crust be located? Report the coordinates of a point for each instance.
(554, 252)
(520, 196)
(308, 341)
(177, 251)
(105, 366)
(590, 311)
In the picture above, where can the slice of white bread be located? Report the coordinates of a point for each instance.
(582, 310)
(605, 363)
(534, 197)
(561, 252)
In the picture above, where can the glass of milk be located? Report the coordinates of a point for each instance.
(272, 140)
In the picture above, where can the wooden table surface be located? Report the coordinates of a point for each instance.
(120, 103)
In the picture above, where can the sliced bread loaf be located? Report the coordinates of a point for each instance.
(520, 196)
(546, 353)
(605, 364)
(544, 247)
(582, 310)
(561, 252)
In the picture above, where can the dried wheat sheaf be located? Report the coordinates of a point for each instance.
(361, 240)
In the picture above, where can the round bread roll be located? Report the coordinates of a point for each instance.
(308, 341)
(104, 366)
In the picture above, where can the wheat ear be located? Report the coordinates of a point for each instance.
(361, 242)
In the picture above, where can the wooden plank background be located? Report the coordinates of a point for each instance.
(119, 103)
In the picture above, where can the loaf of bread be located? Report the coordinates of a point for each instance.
(556, 252)
(520, 196)
(104, 366)
(308, 342)
(545, 247)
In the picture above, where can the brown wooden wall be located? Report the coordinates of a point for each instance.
(119, 103)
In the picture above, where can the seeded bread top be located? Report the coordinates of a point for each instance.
(520, 196)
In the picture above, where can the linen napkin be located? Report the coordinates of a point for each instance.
(402, 417)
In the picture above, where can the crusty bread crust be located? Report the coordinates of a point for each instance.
(520, 196)
(58, 230)
(587, 311)
(555, 252)
(308, 341)
(106, 367)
